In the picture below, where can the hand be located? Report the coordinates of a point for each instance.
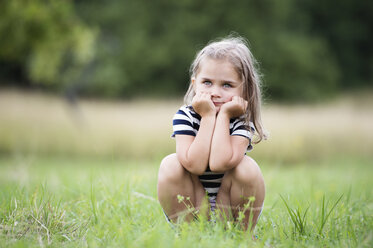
(203, 104)
(234, 108)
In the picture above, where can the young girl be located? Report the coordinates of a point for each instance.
(213, 131)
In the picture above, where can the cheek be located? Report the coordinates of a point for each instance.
(201, 87)
(237, 93)
(240, 92)
(197, 88)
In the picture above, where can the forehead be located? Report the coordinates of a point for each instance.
(219, 69)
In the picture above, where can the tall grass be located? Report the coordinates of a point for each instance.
(46, 125)
(325, 213)
(298, 217)
(85, 176)
(112, 202)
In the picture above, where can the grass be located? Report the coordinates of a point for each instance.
(86, 176)
(112, 203)
(32, 123)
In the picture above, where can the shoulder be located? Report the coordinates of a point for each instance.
(187, 112)
(185, 122)
(241, 127)
(240, 123)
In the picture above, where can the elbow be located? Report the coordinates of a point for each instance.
(194, 168)
(219, 166)
(217, 169)
(197, 172)
(222, 165)
(220, 162)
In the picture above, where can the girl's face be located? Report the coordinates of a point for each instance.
(219, 78)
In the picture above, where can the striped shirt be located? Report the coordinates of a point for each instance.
(186, 122)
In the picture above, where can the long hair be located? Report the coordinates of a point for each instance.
(236, 51)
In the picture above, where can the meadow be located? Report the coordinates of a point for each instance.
(85, 175)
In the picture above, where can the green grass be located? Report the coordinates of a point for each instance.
(109, 202)
(46, 125)
(86, 176)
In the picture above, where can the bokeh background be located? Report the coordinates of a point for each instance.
(94, 78)
(88, 90)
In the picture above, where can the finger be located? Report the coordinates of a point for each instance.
(236, 99)
(241, 100)
(246, 104)
(196, 97)
(204, 95)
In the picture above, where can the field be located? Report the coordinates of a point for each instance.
(85, 175)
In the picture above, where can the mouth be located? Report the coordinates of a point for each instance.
(218, 104)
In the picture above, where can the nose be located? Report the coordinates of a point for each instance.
(215, 91)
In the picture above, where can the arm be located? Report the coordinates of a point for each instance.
(194, 152)
(227, 151)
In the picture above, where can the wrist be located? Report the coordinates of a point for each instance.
(208, 114)
(211, 116)
(224, 114)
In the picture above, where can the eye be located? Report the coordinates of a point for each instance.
(227, 85)
(207, 83)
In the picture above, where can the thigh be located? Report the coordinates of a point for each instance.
(174, 180)
(241, 183)
(247, 190)
(223, 199)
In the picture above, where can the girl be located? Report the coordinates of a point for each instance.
(213, 131)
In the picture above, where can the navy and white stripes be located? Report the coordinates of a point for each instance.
(186, 122)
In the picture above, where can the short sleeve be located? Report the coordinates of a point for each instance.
(182, 123)
(240, 128)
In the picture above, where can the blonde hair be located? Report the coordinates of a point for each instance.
(236, 51)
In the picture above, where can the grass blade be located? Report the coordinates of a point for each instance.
(324, 217)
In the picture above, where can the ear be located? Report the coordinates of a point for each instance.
(193, 81)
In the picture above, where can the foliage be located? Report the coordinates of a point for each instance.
(307, 50)
(347, 27)
(44, 39)
(151, 44)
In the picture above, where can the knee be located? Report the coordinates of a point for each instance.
(247, 172)
(170, 170)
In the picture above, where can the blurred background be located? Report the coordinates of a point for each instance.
(104, 78)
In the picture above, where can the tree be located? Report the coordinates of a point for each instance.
(45, 40)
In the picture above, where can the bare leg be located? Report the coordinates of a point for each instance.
(238, 185)
(174, 180)
(223, 199)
